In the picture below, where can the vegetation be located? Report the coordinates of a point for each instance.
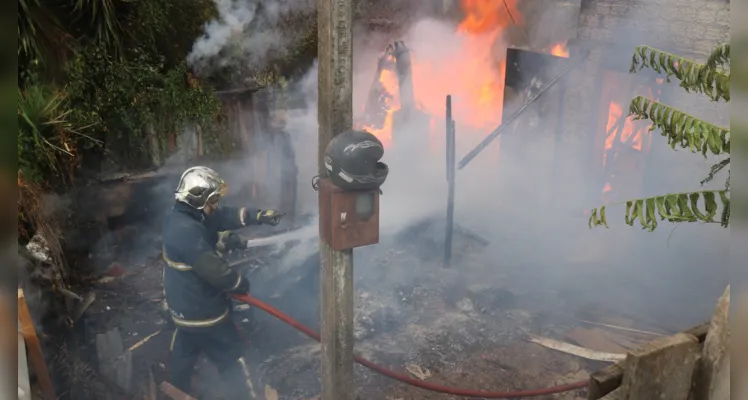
(95, 75)
(96, 81)
(713, 80)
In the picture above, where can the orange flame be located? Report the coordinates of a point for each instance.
(388, 79)
(623, 131)
(474, 76)
(473, 73)
(560, 50)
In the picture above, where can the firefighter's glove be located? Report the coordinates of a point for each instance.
(269, 217)
(229, 241)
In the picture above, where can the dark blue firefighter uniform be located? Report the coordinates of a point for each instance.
(198, 284)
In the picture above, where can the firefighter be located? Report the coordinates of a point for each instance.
(198, 282)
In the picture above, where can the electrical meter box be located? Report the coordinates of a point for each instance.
(348, 219)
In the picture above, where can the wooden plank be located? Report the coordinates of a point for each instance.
(608, 379)
(699, 331)
(605, 381)
(24, 386)
(614, 395)
(716, 346)
(662, 369)
(174, 393)
(335, 116)
(152, 391)
(34, 348)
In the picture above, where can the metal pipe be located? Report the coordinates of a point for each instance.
(450, 145)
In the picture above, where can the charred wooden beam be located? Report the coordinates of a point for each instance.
(173, 393)
(379, 99)
(248, 91)
(404, 70)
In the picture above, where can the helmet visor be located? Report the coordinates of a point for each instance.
(223, 188)
(221, 191)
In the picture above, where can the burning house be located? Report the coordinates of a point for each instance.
(553, 77)
(597, 103)
(575, 143)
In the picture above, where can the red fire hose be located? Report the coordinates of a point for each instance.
(245, 298)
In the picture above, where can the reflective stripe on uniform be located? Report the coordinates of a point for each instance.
(243, 364)
(173, 339)
(242, 216)
(199, 323)
(238, 282)
(174, 264)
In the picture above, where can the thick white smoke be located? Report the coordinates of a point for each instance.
(233, 17)
(247, 31)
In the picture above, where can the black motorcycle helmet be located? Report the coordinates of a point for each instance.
(352, 161)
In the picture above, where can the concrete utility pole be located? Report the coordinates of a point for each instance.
(335, 115)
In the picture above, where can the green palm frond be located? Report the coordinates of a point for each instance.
(694, 77)
(720, 57)
(102, 16)
(47, 137)
(675, 207)
(715, 170)
(41, 114)
(41, 35)
(681, 128)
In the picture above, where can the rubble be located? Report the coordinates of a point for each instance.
(576, 350)
(418, 371)
(402, 318)
(114, 362)
(39, 249)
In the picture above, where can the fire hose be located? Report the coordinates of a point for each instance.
(245, 298)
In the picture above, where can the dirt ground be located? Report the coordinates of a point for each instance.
(474, 337)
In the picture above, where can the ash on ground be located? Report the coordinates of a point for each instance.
(412, 315)
(410, 311)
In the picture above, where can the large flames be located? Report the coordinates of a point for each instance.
(473, 75)
(623, 135)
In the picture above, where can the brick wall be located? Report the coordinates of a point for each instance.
(692, 27)
(611, 29)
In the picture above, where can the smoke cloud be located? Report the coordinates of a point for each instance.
(501, 196)
(249, 32)
(534, 236)
(233, 17)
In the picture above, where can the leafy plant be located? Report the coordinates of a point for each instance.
(47, 139)
(711, 79)
(101, 19)
(119, 66)
(123, 97)
(681, 128)
(41, 34)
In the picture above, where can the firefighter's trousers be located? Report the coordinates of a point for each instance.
(223, 346)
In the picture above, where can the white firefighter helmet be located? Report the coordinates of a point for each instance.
(199, 186)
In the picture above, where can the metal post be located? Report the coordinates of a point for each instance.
(450, 145)
(335, 96)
